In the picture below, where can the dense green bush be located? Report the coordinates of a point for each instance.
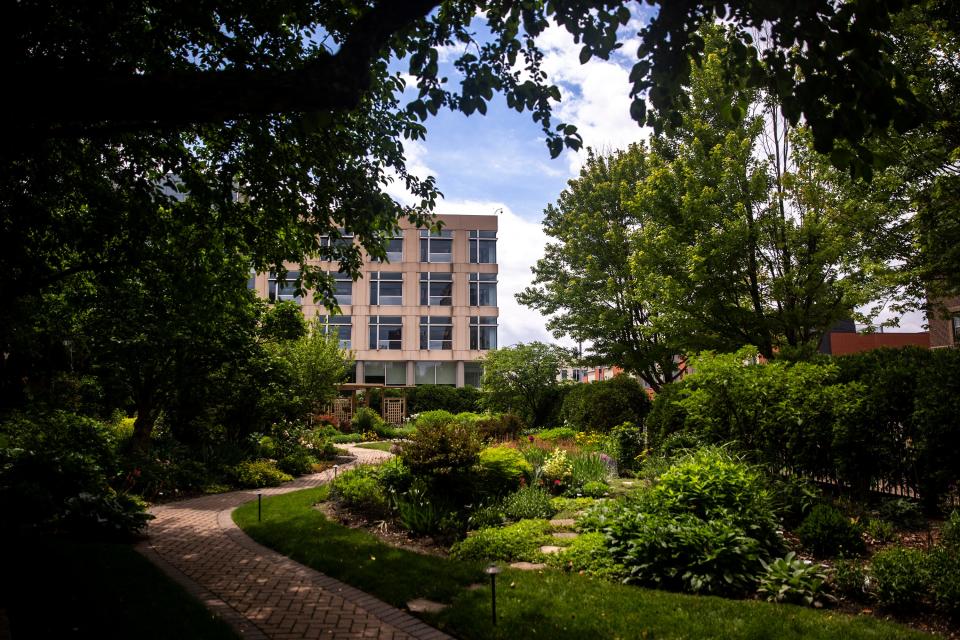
(430, 419)
(502, 468)
(519, 541)
(628, 439)
(849, 578)
(422, 514)
(359, 489)
(594, 489)
(556, 434)
(452, 399)
(903, 513)
(259, 473)
(900, 577)
(600, 406)
(588, 554)
(950, 533)
(827, 532)
(441, 447)
(505, 426)
(297, 464)
(366, 419)
(704, 527)
(528, 502)
(944, 567)
(56, 470)
(794, 497)
(588, 468)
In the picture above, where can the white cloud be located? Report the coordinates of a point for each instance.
(416, 156)
(520, 244)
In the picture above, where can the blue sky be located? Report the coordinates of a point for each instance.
(498, 163)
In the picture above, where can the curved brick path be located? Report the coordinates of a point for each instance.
(259, 592)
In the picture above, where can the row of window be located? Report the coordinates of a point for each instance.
(386, 287)
(445, 373)
(436, 332)
(435, 246)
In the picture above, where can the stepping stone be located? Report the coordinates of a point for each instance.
(549, 549)
(565, 535)
(563, 522)
(422, 605)
(528, 566)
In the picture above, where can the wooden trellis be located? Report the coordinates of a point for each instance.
(394, 410)
(342, 409)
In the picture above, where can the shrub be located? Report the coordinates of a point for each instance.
(421, 514)
(254, 474)
(561, 503)
(944, 567)
(595, 489)
(502, 468)
(849, 578)
(506, 426)
(394, 477)
(628, 439)
(590, 467)
(826, 532)
(950, 533)
(111, 516)
(881, 530)
(366, 419)
(600, 406)
(452, 399)
(441, 447)
(488, 515)
(791, 580)
(519, 541)
(358, 489)
(588, 554)
(900, 577)
(903, 513)
(528, 502)
(794, 497)
(297, 464)
(556, 434)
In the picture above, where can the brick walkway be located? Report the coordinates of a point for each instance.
(259, 592)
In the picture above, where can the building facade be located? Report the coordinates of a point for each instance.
(944, 319)
(424, 317)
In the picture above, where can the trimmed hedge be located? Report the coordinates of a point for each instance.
(601, 406)
(886, 416)
(452, 399)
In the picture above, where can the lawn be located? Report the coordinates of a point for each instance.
(56, 589)
(379, 446)
(548, 604)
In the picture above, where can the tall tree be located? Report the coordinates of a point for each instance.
(584, 282)
(524, 379)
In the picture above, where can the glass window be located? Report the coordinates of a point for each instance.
(340, 326)
(342, 238)
(436, 373)
(252, 280)
(392, 374)
(283, 288)
(483, 289)
(386, 287)
(472, 374)
(395, 249)
(436, 332)
(483, 247)
(436, 246)
(343, 287)
(483, 332)
(436, 289)
(956, 330)
(386, 332)
(351, 374)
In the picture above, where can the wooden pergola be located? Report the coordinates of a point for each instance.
(392, 410)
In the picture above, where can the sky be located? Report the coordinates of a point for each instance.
(498, 163)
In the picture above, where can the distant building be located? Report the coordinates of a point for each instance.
(945, 323)
(425, 317)
(843, 339)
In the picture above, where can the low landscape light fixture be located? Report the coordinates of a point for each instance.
(336, 468)
(492, 570)
(259, 505)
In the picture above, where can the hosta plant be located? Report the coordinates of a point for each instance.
(791, 580)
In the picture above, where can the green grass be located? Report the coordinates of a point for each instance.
(56, 589)
(547, 604)
(380, 446)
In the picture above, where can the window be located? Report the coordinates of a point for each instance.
(436, 246)
(483, 332)
(388, 373)
(394, 249)
(342, 238)
(386, 287)
(386, 332)
(483, 247)
(252, 280)
(436, 373)
(956, 330)
(472, 374)
(436, 332)
(343, 287)
(436, 289)
(283, 288)
(339, 326)
(483, 289)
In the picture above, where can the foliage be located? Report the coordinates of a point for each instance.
(588, 554)
(528, 502)
(944, 567)
(950, 533)
(900, 577)
(789, 579)
(595, 489)
(317, 364)
(850, 578)
(518, 541)
(359, 488)
(259, 473)
(432, 397)
(422, 514)
(522, 379)
(904, 513)
(794, 497)
(502, 468)
(109, 516)
(557, 470)
(489, 514)
(589, 468)
(283, 321)
(366, 419)
(430, 419)
(441, 448)
(629, 445)
(881, 530)
(505, 426)
(601, 406)
(297, 464)
(556, 434)
(827, 532)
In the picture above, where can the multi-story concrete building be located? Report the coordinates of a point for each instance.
(424, 317)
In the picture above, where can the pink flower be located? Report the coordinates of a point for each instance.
(556, 483)
(530, 438)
